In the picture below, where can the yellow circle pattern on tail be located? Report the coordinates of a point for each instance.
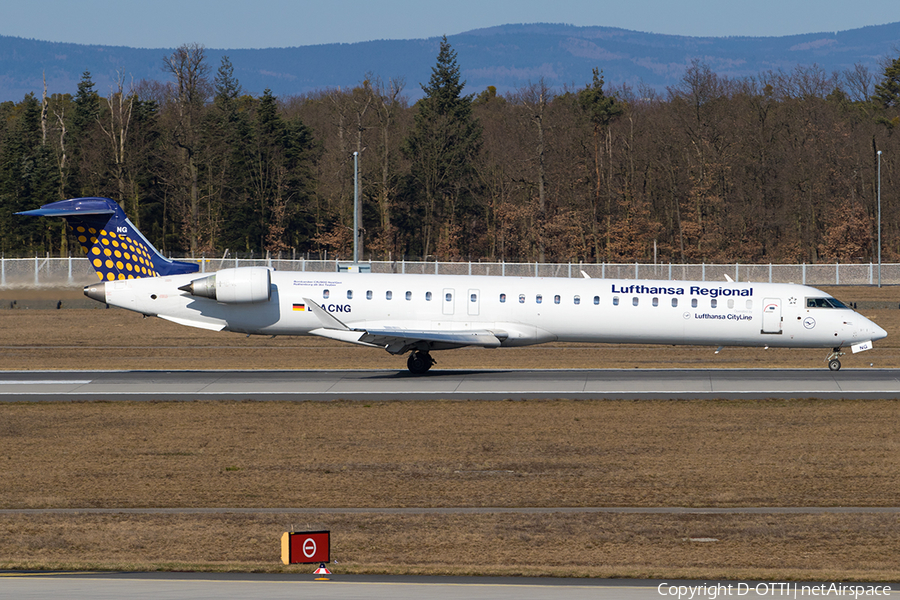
(133, 258)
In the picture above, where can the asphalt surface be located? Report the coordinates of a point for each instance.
(17, 386)
(225, 586)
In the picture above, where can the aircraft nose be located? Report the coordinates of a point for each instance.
(878, 332)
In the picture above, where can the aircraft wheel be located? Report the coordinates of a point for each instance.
(418, 363)
(834, 364)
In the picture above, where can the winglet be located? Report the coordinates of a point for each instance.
(328, 320)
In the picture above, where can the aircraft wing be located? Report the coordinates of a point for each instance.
(398, 340)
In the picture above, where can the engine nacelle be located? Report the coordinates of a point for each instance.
(241, 285)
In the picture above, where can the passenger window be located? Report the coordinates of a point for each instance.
(521, 298)
(538, 298)
(674, 302)
(596, 299)
(325, 293)
(349, 294)
(388, 295)
(656, 302)
(556, 299)
(448, 297)
(577, 299)
(749, 304)
(713, 303)
(473, 298)
(693, 303)
(428, 296)
(731, 303)
(368, 294)
(615, 300)
(502, 298)
(409, 295)
(634, 301)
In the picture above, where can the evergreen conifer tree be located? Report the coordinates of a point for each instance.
(887, 93)
(442, 146)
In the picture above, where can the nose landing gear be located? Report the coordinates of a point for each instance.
(833, 363)
(419, 362)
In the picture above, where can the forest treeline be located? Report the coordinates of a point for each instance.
(781, 167)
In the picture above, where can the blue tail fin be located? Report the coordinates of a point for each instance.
(112, 243)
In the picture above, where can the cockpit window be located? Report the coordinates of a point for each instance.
(824, 303)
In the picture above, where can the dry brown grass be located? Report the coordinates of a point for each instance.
(447, 454)
(450, 453)
(770, 547)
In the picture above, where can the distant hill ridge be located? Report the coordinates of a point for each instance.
(506, 56)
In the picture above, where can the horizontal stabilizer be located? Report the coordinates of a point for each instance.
(61, 212)
(194, 323)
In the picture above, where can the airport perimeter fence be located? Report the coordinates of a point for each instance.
(76, 271)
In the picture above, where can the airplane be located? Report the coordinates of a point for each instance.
(419, 314)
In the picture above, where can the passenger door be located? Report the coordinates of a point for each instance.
(771, 317)
(474, 303)
(447, 301)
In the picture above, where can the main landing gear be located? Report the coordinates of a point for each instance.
(419, 362)
(833, 363)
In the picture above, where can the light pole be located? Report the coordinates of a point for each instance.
(356, 212)
(879, 218)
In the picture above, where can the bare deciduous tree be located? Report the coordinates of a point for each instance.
(192, 88)
(119, 105)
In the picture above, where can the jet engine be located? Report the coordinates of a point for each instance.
(241, 285)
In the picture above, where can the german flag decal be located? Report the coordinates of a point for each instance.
(300, 307)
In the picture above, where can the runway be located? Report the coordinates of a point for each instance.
(196, 586)
(35, 386)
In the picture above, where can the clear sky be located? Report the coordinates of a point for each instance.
(232, 24)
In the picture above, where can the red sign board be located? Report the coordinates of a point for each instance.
(306, 547)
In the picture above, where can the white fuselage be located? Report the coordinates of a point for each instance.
(525, 310)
